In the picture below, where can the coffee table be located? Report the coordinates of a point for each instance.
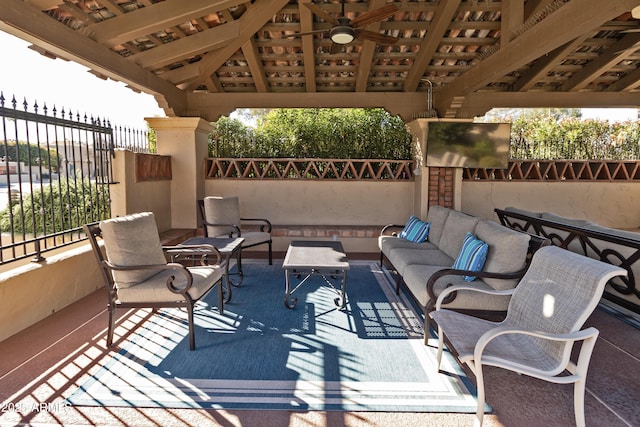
(228, 248)
(307, 258)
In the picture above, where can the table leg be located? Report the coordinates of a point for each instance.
(227, 279)
(289, 303)
(240, 273)
(220, 296)
(341, 301)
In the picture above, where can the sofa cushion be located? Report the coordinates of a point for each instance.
(132, 240)
(523, 212)
(472, 255)
(437, 217)
(455, 229)
(507, 251)
(415, 230)
(633, 235)
(402, 257)
(388, 243)
(520, 224)
(564, 220)
(558, 237)
(417, 275)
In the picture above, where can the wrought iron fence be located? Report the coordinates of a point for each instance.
(55, 171)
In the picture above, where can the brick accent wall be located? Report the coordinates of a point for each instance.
(329, 231)
(324, 231)
(441, 186)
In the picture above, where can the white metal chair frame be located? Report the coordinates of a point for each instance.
(487, 332)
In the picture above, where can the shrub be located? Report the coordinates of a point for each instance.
(63, 205)
(338, 133)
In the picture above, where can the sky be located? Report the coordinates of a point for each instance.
(24, 73)
(70, 85)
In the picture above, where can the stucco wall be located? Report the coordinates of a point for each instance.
(35, 290)
(129, 196)
(302, 202)
(611, 204)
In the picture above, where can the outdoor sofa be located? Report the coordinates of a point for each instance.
(425, 268)
(613, 246)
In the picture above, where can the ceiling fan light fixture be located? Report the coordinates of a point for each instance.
(635, 12)
(342, 34)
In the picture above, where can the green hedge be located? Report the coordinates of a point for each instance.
(350, 133)
(572, 138)
(374, 134)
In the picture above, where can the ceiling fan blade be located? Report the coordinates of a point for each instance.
(306, 33)
(376, 37)
(321, 13)
(374, 15)
(631, 30)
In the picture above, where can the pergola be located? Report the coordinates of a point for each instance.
(453, 58)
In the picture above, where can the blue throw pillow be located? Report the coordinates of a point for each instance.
(472, 255)
(415, 230)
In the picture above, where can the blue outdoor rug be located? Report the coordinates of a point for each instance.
(260, 355)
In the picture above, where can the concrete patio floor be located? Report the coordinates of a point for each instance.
(45, 362)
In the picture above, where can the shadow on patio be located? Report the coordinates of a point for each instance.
(46, 362)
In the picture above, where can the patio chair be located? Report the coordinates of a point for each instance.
(544, 320)
(137, 274)
(221, 218)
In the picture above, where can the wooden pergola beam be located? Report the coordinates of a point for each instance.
(565, 24)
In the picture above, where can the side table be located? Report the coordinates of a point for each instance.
(228, 248)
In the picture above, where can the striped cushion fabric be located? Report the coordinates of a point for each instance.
(472, 255)
(415, 230)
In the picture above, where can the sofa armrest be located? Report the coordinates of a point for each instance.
(389, 229)
(452, 289)
(453, 272)
(175, 267)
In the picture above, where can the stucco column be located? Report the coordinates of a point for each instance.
(185, 139)
(418, 129)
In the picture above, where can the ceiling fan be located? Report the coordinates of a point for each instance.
(345, 30)
(635, 14)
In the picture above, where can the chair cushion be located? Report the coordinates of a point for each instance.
(132, 240)
(221, 210)
(472, 255)
(415, 230)
(155, 288)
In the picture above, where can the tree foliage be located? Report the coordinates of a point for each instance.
(541, 133)
(561, 134)
(29, 154)
(63, 205)
(314, 133)
(571, 138)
